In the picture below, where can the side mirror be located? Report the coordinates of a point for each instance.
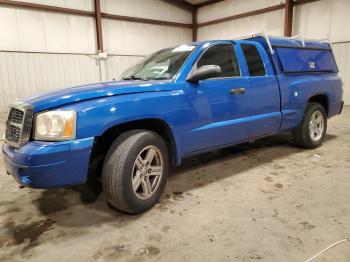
(204, 72)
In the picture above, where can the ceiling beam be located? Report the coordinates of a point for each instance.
(182, 4)
(255, 12)
(47, 8)
(97, 12)
(144, 20)
(242, 15)
(210, 2)
(300, 2)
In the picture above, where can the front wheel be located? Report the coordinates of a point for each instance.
(135, 171)
(312, 130)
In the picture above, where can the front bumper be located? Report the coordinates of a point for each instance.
(49, 164)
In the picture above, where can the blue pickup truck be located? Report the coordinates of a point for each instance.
(175, 103)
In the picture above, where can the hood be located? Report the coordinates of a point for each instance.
(87, 92)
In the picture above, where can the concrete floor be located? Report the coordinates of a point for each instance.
(267, 201)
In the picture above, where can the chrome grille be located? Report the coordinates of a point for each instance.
(19, 124)
(13, 133)
(16, 116)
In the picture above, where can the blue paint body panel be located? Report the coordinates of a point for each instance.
(49, 165)
(201, 117)
(306, 60)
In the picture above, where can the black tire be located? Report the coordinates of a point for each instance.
(118, 168)
(301, 134)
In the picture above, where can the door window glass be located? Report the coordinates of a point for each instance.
(254, 61)
(223, 56)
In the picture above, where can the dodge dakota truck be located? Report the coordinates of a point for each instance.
(173, 104)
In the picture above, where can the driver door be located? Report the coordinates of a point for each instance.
(222, 104)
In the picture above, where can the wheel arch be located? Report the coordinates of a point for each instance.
(322, 99)
(104, 141)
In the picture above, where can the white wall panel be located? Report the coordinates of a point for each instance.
(41, 51)
(314, 20)
(26, 74)
(81, 35)
(31, 30)
(340, 21)
(56, 33)
(38, 31)
(143, 39)
(179, 35)
(239, 27)
(177, 14)
(342, 55)
(9, 31)
(113, 36)
(216, 11)
(153, 9)
(327, 18)
(307, 20)
(140, 39)
(232, 7)
(320, 19)
(116, 65)
(87, 5)
(273, 22)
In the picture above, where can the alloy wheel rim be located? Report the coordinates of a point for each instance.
(147, 172)
(316, 126)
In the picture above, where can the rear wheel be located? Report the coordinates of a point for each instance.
(312, 130)
(135, 171)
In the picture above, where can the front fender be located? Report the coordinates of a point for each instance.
(97, 116)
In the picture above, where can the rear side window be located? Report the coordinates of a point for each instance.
(254, 61)
(223, 56)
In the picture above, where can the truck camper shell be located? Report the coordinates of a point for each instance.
(293, 55)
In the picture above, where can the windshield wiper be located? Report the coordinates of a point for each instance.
(160, 78)
(135, 78)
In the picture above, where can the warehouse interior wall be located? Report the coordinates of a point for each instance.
(317, 20)
(42, 51)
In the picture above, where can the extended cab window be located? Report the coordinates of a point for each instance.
(254, 61)
(223, 56)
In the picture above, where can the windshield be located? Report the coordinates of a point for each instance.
(163, 64)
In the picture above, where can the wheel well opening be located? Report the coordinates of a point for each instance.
(321, 99)
(103, 143)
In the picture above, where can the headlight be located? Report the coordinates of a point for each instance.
(55, 125)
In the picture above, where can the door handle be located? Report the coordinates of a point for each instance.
(237, 91)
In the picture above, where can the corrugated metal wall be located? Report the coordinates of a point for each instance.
(321, 19)
(141, 39)
(342, 54)
(24, 74)
(115, 65)
(41, 51)
(328, 19)
(38, 31)
(272, 21)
